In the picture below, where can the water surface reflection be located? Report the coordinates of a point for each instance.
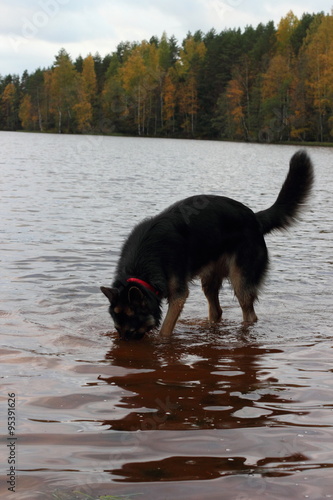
(212, 394)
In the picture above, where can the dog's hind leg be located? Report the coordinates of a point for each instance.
(247, 270)
(211, 283)
(249, 315)
(245, 293)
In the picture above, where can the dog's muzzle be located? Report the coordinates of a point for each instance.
(131, 335)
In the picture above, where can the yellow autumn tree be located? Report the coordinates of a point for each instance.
(132, 74)
(187, 67)
(89, 78)
(26, 113)
(64, 95)
(8, 105)
(239, 100)
(86, 89)
(278, 82)
(276, 89)
(188, 102)
(141, 79)
(191, 55)
(154, 79)
(318, 54)
(285, 30)
(83, 114)
(169, 99)
(234, 97)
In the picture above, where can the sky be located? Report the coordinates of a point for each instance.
(33, 31)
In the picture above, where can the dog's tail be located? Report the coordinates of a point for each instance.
(294, 193)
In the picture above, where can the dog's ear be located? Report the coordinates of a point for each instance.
(111, 293)
(135, 296)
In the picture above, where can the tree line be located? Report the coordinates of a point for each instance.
(262, 84)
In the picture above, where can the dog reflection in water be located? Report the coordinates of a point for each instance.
(210, 237)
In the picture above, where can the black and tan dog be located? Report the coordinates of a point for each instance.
(210, 237)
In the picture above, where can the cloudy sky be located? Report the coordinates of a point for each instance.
(33, 31)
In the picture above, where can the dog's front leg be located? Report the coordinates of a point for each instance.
(175, 308)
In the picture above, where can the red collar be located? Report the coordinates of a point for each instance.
(143, 283)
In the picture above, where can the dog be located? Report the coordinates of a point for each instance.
(210, 237)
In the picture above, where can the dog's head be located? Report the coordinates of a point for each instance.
(134, 311)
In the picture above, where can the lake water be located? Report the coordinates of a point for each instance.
(217, 412)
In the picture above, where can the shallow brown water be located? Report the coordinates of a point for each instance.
(216, 412)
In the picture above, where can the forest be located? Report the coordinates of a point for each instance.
(260, 84)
